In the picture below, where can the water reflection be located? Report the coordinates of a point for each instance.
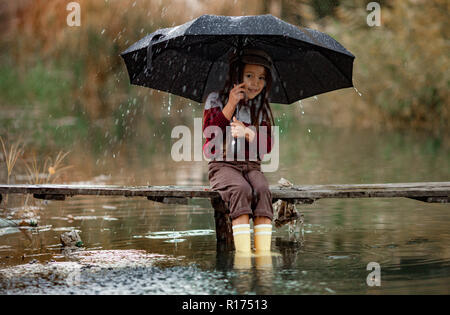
(290, 250)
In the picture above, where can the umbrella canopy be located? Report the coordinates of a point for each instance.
(191, 59)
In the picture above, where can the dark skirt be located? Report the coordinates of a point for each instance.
(242, 186)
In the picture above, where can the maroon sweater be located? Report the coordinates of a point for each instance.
(213, 116)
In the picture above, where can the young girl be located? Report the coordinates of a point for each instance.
(243, 107)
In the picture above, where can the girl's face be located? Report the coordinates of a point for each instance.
(254, 79)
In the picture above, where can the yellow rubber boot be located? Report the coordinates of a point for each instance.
(263, 237)
(243, 255)
(241, 235)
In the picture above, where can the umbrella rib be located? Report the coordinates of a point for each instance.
(336, 67)
(314, 76)
(174, 81)
(207, 76)
(282, 86)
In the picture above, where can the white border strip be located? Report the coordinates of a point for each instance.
(241, 232)
(263, 226)
(263, 233)
(237, 226)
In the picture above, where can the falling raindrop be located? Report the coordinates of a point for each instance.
(357, 91)
(170, 104)
(103, 30)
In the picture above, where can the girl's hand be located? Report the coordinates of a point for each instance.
(237, 93)
(238, 130)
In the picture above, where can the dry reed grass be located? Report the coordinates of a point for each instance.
(11, 153)
(49, 172)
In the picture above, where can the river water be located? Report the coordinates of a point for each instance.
(173, 247)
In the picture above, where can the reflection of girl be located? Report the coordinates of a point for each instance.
(241, 184)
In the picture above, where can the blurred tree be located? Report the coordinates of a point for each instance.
(296, 12)
(401, 65)
(324, 8)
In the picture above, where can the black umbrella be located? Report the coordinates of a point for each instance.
(191, 59)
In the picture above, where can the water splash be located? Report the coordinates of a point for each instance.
(171, 235)
(179, 240)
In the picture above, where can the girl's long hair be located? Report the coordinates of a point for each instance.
(235, 76)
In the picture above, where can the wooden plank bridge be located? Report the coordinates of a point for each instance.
(435, 192)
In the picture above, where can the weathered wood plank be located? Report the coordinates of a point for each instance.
(439, 191)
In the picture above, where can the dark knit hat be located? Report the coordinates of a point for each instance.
(255, 57)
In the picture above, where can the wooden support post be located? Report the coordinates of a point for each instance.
(224, 231)
(169, 200)
(443, 199)
(155, 198)
(50, 196)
